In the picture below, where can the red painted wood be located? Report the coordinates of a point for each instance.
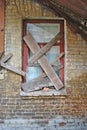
(24, 53)
(24, 59)
(2, 25)
(62, 50)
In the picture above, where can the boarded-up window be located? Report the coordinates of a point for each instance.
(43, 31)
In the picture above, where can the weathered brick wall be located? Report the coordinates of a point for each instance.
(43, 109)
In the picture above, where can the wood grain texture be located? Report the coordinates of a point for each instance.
(13, 69)
(43, 50)
(44, 62)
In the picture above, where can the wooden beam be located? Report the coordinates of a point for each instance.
(44, 62)
(30, 86)
(36, 84)
(11, 68)
(43, 50)
(55, 67)
(52, 63)
(6, 57)
(57, 58)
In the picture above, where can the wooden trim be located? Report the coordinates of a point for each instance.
(42, 21)
(2, 3)
(61, 51)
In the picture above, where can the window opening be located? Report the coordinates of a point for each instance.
(43, 31)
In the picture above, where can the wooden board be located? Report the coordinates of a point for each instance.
(44, 62)
(11, 68)
(6, 57)
(52, 63)
(57, 58)
(43, 50)
(51, 92)
(36, 84)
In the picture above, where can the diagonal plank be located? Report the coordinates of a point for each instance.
(44, 62)
(11, 68)
(43, 50)
(57, 58)
(3, 63)
(52, 63)
(6, 57)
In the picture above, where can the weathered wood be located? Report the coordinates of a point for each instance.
(43, 50)
(27, 86)
(11, 68)
(55, 67)
(51, 92)
(36, 84)
(57, 58)
(6, 57)
(52, 63)
(33, 64)
(44, 62)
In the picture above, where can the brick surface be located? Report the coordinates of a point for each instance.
(41, 110)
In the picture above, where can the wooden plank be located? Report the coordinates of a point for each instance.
(1, 26)
(36, 84)
(57, 58)
(52, 63)
(6, 57)
(27, 86)
(44, 62)
(11, 68)
(58, 67)
(55, 67)
(43, 50)
(51, 92)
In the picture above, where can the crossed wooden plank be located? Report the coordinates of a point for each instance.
(42, 80)
(3, 63)
(31, 43)
(43, 50)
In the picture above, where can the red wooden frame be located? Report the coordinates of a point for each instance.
(25, 48)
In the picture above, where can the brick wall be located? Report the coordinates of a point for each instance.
(43, 110)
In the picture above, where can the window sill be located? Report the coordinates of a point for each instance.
(50, 92)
